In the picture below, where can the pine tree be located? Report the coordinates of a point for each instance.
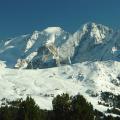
(81, 109)
(28, 110)
(61, 107)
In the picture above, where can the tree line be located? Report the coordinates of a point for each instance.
(65, 107)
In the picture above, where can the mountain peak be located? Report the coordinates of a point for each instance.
(96, 31)
(91, 25)
(53, 29)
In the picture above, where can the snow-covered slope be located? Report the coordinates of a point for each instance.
(88, 79)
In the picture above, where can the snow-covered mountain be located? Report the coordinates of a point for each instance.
(35, 50)
(88, 63)
(53, 46)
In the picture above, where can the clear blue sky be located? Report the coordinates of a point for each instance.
(24, 16)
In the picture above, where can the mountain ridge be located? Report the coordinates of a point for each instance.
(54, 46)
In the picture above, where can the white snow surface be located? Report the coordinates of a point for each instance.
(43, 84)
(53, 29)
